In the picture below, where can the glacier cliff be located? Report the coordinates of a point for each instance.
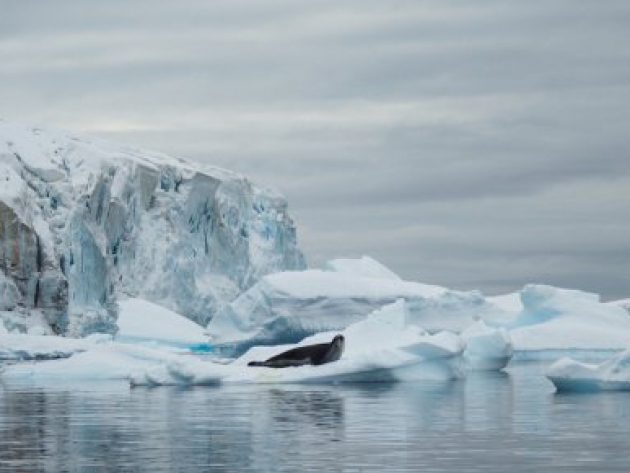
(83, 221)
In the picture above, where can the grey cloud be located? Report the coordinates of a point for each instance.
(469, 144)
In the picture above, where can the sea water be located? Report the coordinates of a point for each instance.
(503, 422)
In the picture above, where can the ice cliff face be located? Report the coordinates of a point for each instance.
(83, 221)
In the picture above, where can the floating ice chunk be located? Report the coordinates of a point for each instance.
(487, 348)
(140, 321)
(38, 347)
(363, 267)
(426, 360)
(109, 361)
(562, 319)
(611, 375)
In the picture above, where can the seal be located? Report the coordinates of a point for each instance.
(307, 355)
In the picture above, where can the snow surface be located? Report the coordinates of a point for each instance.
(84, 222)
(623, 303)
(142, 321)
(563, 319)
(611, 375)
(39, 347)
(510, 303)
(96, 362)
(289, 306)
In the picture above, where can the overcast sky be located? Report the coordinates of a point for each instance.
(475, 144)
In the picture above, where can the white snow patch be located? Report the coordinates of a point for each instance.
(563, 319)
(510, 303)
(37, 347)
(141, 320)
(102, 361)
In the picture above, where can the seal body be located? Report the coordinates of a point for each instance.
(307, 355)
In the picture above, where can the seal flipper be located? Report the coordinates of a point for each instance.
(256, 363)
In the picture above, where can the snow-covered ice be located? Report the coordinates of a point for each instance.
(564, 320)
(510, 303)
(623, 303)
(611, 375)
(39, 347)
(95, 361)
(143, 321)
(289, 306)
(487, 348)
(140, 322)
(540, 321)
(382, 347)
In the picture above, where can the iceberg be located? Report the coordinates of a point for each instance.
(84, 223)
(563, 320)
(612, 375)
(487, 348)
(289, 306)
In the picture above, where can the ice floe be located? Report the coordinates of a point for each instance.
(611, 375)
(384, 346)
(563, 320)
(487, 348)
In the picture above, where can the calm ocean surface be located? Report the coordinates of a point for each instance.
(506, 422)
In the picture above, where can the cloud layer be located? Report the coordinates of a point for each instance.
(476, 145)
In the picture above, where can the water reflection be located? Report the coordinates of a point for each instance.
(483, 423)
